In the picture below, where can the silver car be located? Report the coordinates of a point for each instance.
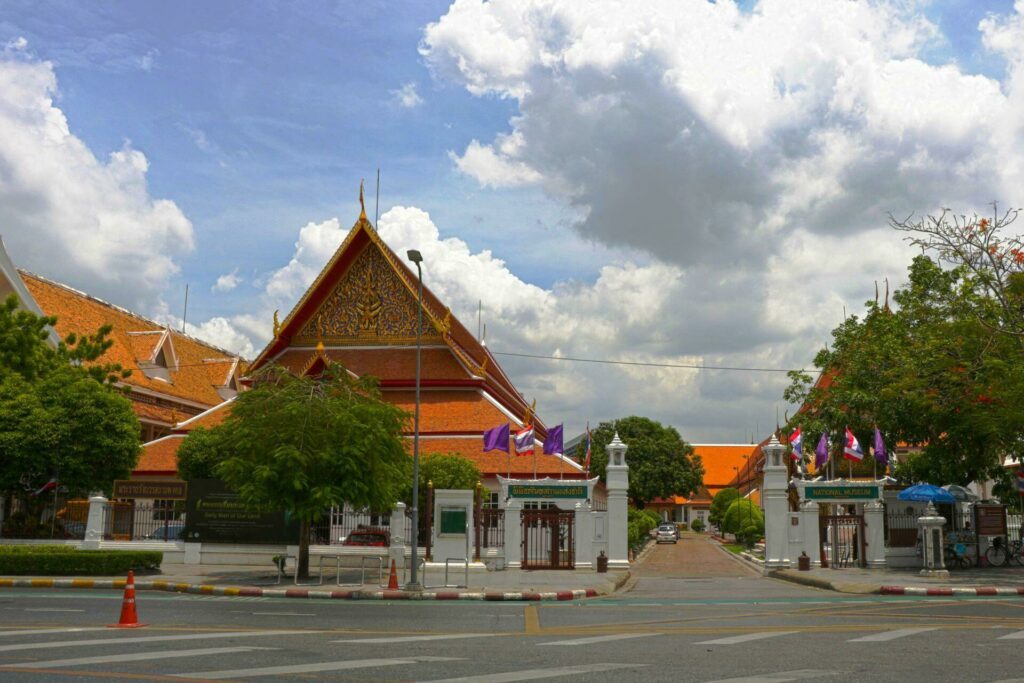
(667, 533)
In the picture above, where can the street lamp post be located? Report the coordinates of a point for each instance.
(414, 584)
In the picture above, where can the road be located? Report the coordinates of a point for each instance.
(693, 614)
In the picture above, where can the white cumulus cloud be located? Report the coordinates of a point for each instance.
(407, 97)
(227, 282)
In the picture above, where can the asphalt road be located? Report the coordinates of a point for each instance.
(690, 616)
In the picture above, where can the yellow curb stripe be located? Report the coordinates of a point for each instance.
(232, 591)
(82, 583)
(6, 583)
(42, 583)
(181, 587)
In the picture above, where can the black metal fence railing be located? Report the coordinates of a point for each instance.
(599, 505)
(337, 526)
(492, 528)
(158, 520)
(900, 530)
(45, 517)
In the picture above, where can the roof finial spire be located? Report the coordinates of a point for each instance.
(362, 204)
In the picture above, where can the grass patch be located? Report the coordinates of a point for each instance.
(736, 548)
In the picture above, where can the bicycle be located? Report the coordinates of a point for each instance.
(956, 557)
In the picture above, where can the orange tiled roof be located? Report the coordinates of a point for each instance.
(719, 461)
(160, 456)
(449, 410)
(384, 363)
(80, 313)
(496, 462)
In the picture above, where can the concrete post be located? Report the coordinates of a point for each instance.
(583, 536)
(617, 478)
(809, 516)
(776, 507)
(513, 533)
(874, 535)
(930, 526)
(94, 524)
(396, 550)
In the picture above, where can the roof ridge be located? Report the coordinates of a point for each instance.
(122, 309)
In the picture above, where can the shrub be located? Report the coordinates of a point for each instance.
(682, 526)
(745, 520)
(49, 560)
(697, 525)
(639, 525)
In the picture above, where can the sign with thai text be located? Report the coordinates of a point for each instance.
(840, 492)
(159, 490)
(215, 513)
(547, 491)
(990, 520)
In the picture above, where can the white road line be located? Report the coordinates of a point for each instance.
(1016, 635)
(51, 609)
(312, 668)
(414, 639)
(534, 674)
(150, 639)
(600, 639)
(733, 640)
(282, 614)
(43, 631)
(135, 657)
(779, 677)
(890, 635)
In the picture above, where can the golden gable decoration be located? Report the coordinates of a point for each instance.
(369, 305)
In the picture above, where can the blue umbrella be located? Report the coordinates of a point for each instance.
(926, 493)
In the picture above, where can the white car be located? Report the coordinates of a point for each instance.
(667, 533)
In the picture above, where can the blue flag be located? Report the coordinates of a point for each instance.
(553, 444)
(496, 439)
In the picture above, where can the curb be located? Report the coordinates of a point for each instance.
(234, 591)
(867, 589)
(921, 590)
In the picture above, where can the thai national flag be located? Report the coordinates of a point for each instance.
(852, 449)
(48, 486)
(524, 441)
(586, 465)
(1020, 480)
(796, 440)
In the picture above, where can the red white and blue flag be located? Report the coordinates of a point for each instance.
(1020, 480)
(796, 440)
(48, 486)
(524, 441)
(851, 447)
(586, 464)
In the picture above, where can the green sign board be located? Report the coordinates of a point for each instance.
(453, 520)
(215, 514)
(827, 492)
(547, 491)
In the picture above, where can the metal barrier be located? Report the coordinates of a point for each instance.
(362, 569)
(465, 562)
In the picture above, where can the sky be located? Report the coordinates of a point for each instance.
(680, 182)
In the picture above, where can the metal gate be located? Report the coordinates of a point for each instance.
(548, 539)
(841, 540)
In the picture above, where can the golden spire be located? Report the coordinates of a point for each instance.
(277, 325)
(362, 205)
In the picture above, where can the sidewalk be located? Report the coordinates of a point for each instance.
(978, 581)
(250, 581)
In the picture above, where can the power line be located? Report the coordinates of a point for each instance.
(646, 365)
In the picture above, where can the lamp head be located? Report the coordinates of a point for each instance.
(414, 255)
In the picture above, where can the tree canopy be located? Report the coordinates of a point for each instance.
(661, 463)
(744, 520)
(59, 417)
(720, 503)
(304, 444)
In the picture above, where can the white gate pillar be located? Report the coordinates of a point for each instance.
(94, 523)
(617, 478)
(396, 549)
(583, 536)
(809, 520)
(513, 533)
(874, 534)
(776, 507)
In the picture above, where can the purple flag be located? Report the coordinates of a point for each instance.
(880, 454)
(821, 452)
(496, 439)
(553, 444)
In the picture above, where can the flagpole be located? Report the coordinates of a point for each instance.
(535, 462)
(508, 456)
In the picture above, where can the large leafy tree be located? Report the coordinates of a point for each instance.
(304, 444)
(61, 417)
(936, 373)
(721, 502)
(661, 463)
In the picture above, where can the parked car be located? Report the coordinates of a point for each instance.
(667, 533)
(174, 531)
(368, 537)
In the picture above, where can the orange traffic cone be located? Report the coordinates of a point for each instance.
(393, 580)
(129, 618)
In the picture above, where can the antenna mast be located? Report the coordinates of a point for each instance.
(376, 208)
(184, 313)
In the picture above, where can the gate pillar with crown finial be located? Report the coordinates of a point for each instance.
(776, 507)
(617, 481)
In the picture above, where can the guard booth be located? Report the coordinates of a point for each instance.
(554, 520)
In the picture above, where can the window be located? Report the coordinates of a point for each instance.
(491, 500)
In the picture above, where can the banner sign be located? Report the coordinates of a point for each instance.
(215, 514)
(159, 490)
(841, 492)
(547, 491)
(990, 519)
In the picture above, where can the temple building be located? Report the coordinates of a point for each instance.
(361, 312)
(721, 463)
(173, 376)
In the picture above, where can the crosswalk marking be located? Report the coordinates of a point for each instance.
(534, 674)
(890, 635)
(1016, 635)
(149, 639)
(779, 677)
(414, 639)
(51, 609)
(134, 657)
(746, 638)
(44, 631)
(601, 639)
(315, 667)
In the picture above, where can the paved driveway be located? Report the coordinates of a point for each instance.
(695, 555)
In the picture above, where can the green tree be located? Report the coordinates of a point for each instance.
(721, 502)
(661, 464)
(447, 471)
(303, 445)
(935, 373)
(744, 520)
(58, 420)
(200, 453)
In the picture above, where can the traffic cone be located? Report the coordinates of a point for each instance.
(129, 618)
(393, 580)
